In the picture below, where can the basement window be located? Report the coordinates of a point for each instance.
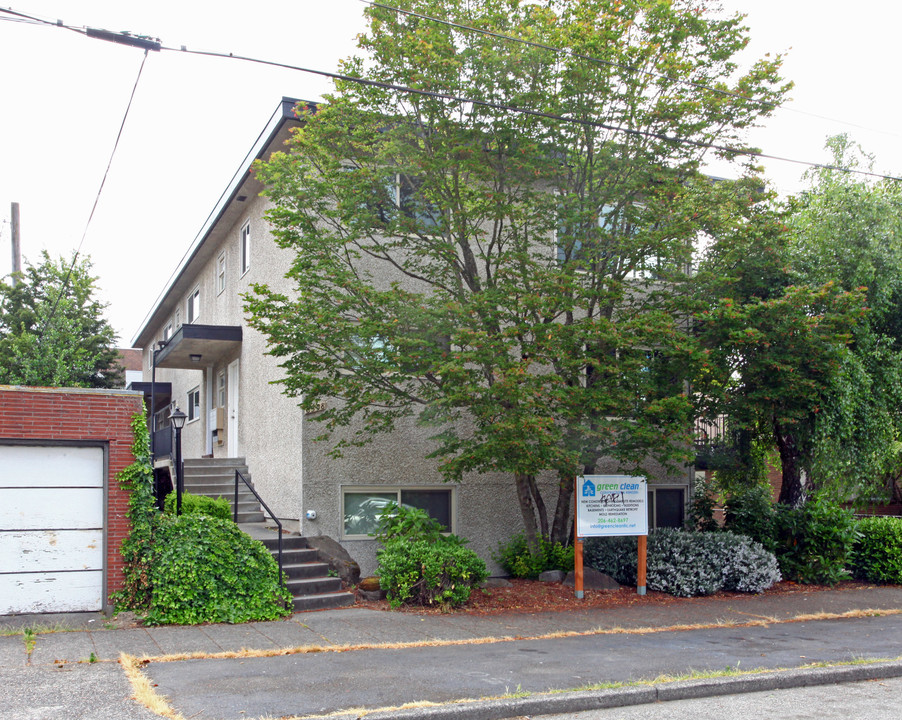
(363, 506)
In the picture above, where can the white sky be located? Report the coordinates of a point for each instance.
(194, 119)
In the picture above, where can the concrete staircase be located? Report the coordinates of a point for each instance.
(307, 578)
(215, 477)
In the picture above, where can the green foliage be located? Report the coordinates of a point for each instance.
(773, 346)
(194, 568)
(614, 556)
(877, 556)
(749, 511)
(814, 542)
(207, 570)
(52, 329)
(686, 563)
(199, 505)
(701, 509)
(411, 524)
(849, 230)
(422, 572)
(143, 518)
(422, 230)
(517, 560)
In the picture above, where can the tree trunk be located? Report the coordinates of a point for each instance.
(540, 505)
(563, 511)
(790, 455)
(527, 510)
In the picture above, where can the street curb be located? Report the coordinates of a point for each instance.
(578, 701)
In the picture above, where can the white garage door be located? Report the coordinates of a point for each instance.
(51, 529)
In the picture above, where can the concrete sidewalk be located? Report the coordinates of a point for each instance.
(74, 637)
(526, 658)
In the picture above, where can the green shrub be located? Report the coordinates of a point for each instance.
(686, 563)
(516, 559)
(613, 556)
(199, 505)
(877, 556)
(206, 570)
(814, 542)
(423, 572)
(404, 521)
(748, 511)
(701, 509)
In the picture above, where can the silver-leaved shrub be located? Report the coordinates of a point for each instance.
(686, 564)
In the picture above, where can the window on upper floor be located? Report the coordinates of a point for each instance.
(192, 306)
(193, 405)
(244, 249)
(220, 273)
(394, 197)
(167, 332)
(178, 318)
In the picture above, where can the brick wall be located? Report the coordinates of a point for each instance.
(61, 414)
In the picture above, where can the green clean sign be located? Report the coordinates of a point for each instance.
(611, 505)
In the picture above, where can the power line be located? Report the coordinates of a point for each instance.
(533, 113)
(96, 198)
(497, 106)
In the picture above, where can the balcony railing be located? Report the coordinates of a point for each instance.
(717, 445)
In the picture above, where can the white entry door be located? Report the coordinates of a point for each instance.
(232, 430)
(51, 528)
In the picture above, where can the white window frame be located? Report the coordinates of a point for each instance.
(193, 408)
(178, 318)
(244, 249)
(192, 306)
(167, 331)
(396, 490)
(220, 273)
(221, 389)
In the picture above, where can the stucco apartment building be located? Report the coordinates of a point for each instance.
(204, 358)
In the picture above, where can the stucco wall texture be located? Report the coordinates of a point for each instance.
(61, 415)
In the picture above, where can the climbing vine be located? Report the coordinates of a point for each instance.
(137, 548)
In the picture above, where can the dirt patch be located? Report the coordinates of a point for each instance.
(531, 596)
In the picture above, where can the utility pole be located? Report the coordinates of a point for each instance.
(17, 253)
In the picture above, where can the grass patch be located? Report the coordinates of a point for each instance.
(143, 690)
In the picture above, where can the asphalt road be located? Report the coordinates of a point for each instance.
(871, 700)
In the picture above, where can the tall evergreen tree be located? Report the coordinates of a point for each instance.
(52, 328)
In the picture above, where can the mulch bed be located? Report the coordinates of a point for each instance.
(531, 596)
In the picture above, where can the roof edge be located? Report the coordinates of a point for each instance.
(283, 113)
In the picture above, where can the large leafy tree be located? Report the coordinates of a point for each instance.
(848, 229)
(499, 254)
(52, 328)
(774, 344)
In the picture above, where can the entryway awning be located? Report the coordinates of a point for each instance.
(194, 346)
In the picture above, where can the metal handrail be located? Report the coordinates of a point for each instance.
(250, 487)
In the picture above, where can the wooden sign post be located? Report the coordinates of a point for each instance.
(609, 505)
(577, 547)
(643, 552)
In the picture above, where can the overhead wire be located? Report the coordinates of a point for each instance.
(746, 152)
(609, 63)
(96, 198)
